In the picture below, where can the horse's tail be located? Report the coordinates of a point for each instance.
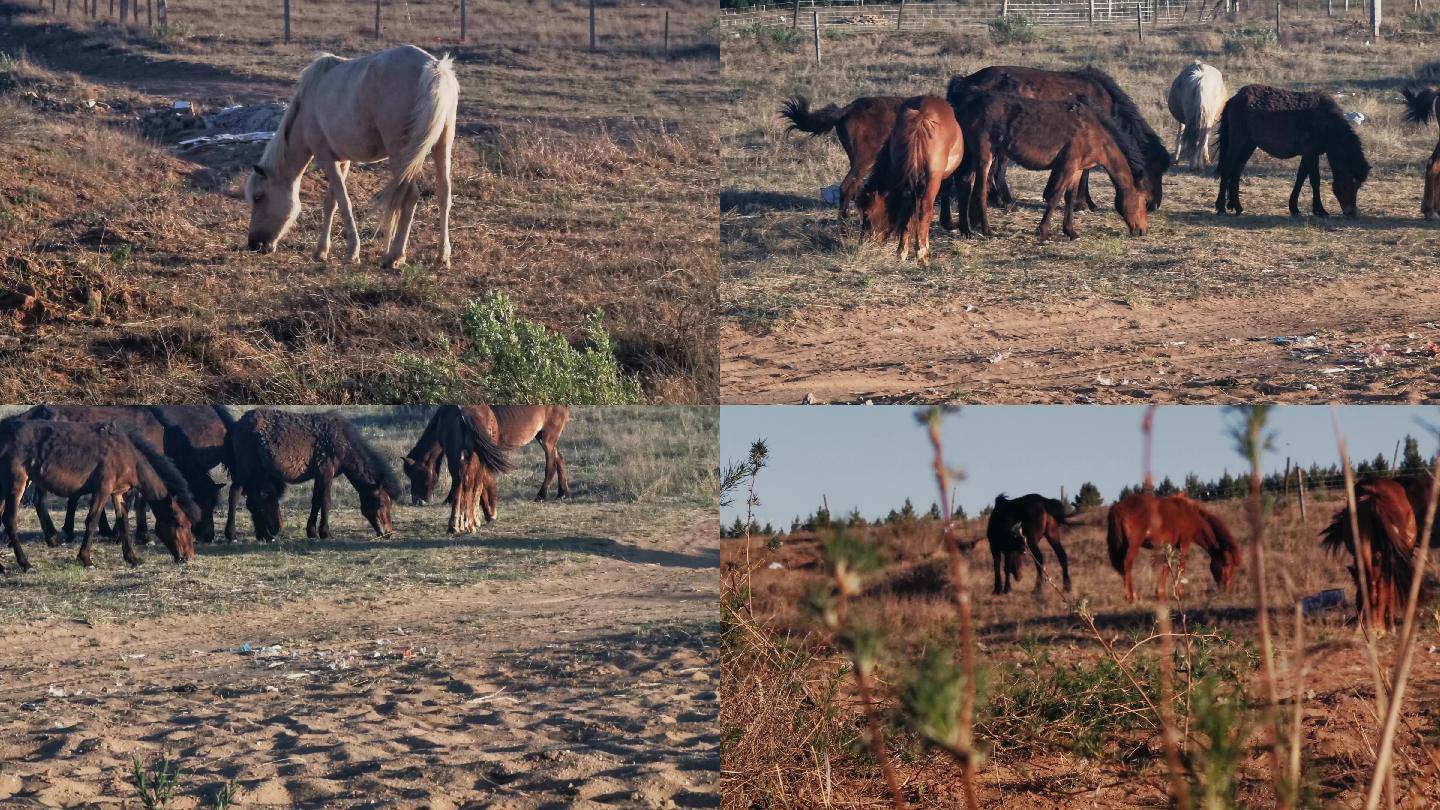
(1421, 104)
(479, 442)
(1227, 122)
(1115, 540)
(909, 177)
(433, 117)
(816, 122)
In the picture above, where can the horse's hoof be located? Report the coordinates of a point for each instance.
(391, 264)
(1321, 212)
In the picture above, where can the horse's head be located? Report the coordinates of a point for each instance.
(375, 506)
(1347, 188)
(423, 478)
(264, 505)
(174, 528)
(1223, 567)
(274, 207)
(1133, 207)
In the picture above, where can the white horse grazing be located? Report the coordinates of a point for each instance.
(1197, 97)
(398, 103)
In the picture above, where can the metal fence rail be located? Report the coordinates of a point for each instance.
(928, 15)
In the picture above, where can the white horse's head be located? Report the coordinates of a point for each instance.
(274, 207)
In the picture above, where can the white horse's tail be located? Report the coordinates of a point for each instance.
(439, 93)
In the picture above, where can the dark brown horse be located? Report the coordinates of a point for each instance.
(1020, 522)
(1388, 529)
(1095, 86)
(104, 462)
(1421, 105)
(469, 438)
(1149, 521)
(925, 147)
(271, 449)
(1286, 124)
(862, 127)
(516, 425)
(195, 441)
(1066, 137)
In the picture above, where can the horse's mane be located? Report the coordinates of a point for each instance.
(275, 149)
(430, 435)
(1128, 116)
(367, 460)
(1124, 142)
(1347, 148)
(1229, 550)
(170, 475)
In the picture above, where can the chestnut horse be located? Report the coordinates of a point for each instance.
(1148, 521)
(925, 147)
(1099, 89)
(469, 438)
(1066, 137)
(516, 425)
(104, 462)
(1020, 522)
(1388, 529)
(1422, 104)
(862, 127)
(271, 449)
(1287, 123)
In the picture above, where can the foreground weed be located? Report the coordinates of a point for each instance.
(156, 782)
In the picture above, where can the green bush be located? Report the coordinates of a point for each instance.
(172, 35)
(1251, 40)
(1425, 23)
(1013, 29)
(520, 362)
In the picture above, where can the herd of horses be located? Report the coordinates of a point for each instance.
(1389, 514)
(161, 457)
(905, 152)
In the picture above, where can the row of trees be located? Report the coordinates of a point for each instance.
(1317, 478)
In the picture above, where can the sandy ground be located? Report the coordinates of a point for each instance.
(1376, 346)
(589, 686)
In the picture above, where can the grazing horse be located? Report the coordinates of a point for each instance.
(899, 196)
(516, 426)
(1422, 104)
(1095, 86)
(1196, 99)
(271, 449)
(1020, 522)
(471, 439)
(1388, 529)
(398, 103)
(862, 127)
(1150, 521)
(195, 441)
(104, 462)
(1066, 137)
(1287, 123)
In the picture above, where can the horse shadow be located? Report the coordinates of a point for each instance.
(1124, 622)
(759, 201)
(1266, 222)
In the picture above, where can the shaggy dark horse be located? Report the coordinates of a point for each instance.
(862, 127)
(271, 449)
(1148, 521)
(1287, 123)
(195, 441)
(1421, 105)
(101, 461)
(1068, 85)
(925, 147)
(1389, 526)
(470, 439)
(1066, 137)
(1020, 522)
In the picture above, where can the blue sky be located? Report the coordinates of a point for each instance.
(873, 457)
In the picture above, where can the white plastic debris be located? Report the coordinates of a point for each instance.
(1355, 117)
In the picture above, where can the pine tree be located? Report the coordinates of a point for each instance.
(1088, 497)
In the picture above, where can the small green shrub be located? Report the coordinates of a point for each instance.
(156, 783)
(1251, 40)
(1425, 23)
(8, 63)
(1013, 29)
(521, 362)
(172, 35)
(424, 380)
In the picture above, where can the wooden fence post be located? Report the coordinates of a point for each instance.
(1277, 23)
(1092, 13)
(816, 16)
(795, 16)
(900, 15)
(592, 26)
(286, 12)
(1300, 478)
(1329, 8)
(149, 13)
(667, 33)
(162, 12)
(1139, 24)
(377, 19)
(124, 11)
(462, 20)
(1375, 14)
(1004, 8)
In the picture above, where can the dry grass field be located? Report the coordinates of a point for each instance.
(584, 181)
(1059, 726)
(1189, 313)
(563, 655)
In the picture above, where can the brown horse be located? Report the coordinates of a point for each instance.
(1095, 86)
(1422, 104)
(1066, 137)
(1287, 123)
(1020, 522)
(1149, 521)
(468, 438)
(862, 127)
(1388, 529)
(516, 425)
(271, 449)
(101, 461)
(925, 147)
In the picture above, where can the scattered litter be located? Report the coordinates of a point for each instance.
(180, 105)
(1322, 601)
(56, 691)
(1106, 381)
(1287, 340)
(1377, 354)
(1356, 116)
(776, 566)
(224, 137)
(1339, 369)
(997, 357)
(484, 698)
(830, 195)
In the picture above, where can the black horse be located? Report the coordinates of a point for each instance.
(1020, 522)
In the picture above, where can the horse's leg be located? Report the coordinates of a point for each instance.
(1032, 539)
(1085, 191)
(977, 197)
(335, 179)
(92, 522)
(441, 154)
(315, 499)
(1242, 157)
(12, 516)
(847, 190)
(142, 523)
(71, 505)
(946, 221)
(122, 528)
(1054, 194)
(995, 555)
(963, 182)
(235, 491)
(1316, 207)
(1202, 146)
(1062, 557)
(1179, 139)
(927, 212)
(1300, 175)
(327, 214)
(550, 465)
(1068, 226)
(1430, 203)
(1132, 551)
(47, 526)
(395, 255)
